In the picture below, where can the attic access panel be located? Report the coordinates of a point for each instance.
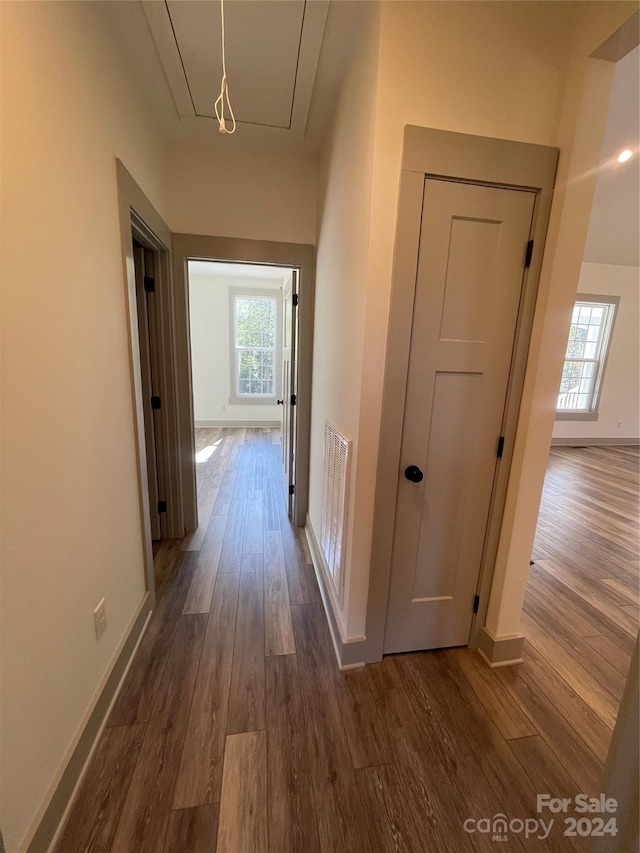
(272, 55)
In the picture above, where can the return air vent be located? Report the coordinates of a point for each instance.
(334, 502)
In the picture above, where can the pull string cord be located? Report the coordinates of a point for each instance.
(219, 105)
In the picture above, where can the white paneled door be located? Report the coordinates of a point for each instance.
(471, 263)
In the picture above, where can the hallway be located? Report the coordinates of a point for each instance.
(235, 732)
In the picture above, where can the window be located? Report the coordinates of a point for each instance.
(582, 374)
(255, 346)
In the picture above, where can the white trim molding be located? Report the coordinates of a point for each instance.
(349, 651)
(238, 424)
(500, 651)
(594, 442)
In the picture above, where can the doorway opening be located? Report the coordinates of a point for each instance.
(145, 263)
(295, 263)
(244, 331)
(582, 595)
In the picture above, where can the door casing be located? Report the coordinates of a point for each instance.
(145, 261)
(457, 352)
(289, 389)
(139, 218)
(461, 157)
(298, 256)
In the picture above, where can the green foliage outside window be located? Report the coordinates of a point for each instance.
(255, 345)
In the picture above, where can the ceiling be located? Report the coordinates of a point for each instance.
(282, 37)
(286, 60)
(614, 227)
(259, 272)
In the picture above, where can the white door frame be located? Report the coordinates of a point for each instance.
(480, 160)
(188, 247)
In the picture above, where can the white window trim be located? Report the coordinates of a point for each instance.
(605, 346)
(236, 399)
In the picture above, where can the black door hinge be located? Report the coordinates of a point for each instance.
(294, 299)
(149, 284)
(292, 490)
(500, 446)
(155, 403)
(527, 259)
(476, 603)
(162, 506)
(294, 399)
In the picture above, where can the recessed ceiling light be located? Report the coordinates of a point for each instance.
(625, 155)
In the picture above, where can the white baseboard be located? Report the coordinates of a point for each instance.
(348, 650)
(499, 664)
(594, 442)
(500, 651)
(238, 424)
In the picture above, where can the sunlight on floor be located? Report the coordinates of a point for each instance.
(207, 452)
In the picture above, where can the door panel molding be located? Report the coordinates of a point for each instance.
(461, 157)
(210, 248)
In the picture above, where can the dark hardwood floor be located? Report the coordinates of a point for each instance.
(234, 731)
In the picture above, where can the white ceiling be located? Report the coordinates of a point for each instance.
(614, 228)
(286, 60)
(281, 39)
(286, 110)
(266, 275)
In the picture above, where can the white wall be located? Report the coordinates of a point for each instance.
(71, 528)
(620, 399)
(237, 195)
(210, 350)
(342, 273)
(615, 217)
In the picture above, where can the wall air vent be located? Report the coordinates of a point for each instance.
(334, 502)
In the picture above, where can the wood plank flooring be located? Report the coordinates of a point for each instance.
(234, 731)
(582, 597)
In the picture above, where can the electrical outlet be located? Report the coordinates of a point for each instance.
(223, 408)
(619, 424)
(100, 619)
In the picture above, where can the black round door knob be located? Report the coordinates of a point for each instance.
(414, 474)
(280, 402)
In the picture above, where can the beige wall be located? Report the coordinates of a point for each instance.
(70, 512)
(342, 275)
(620, 398)
(236, 195)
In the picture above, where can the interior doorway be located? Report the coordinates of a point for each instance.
(145, 261)
(243, 332)
(280, 259)
(581, 603)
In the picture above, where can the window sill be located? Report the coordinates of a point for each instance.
(577, 416)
